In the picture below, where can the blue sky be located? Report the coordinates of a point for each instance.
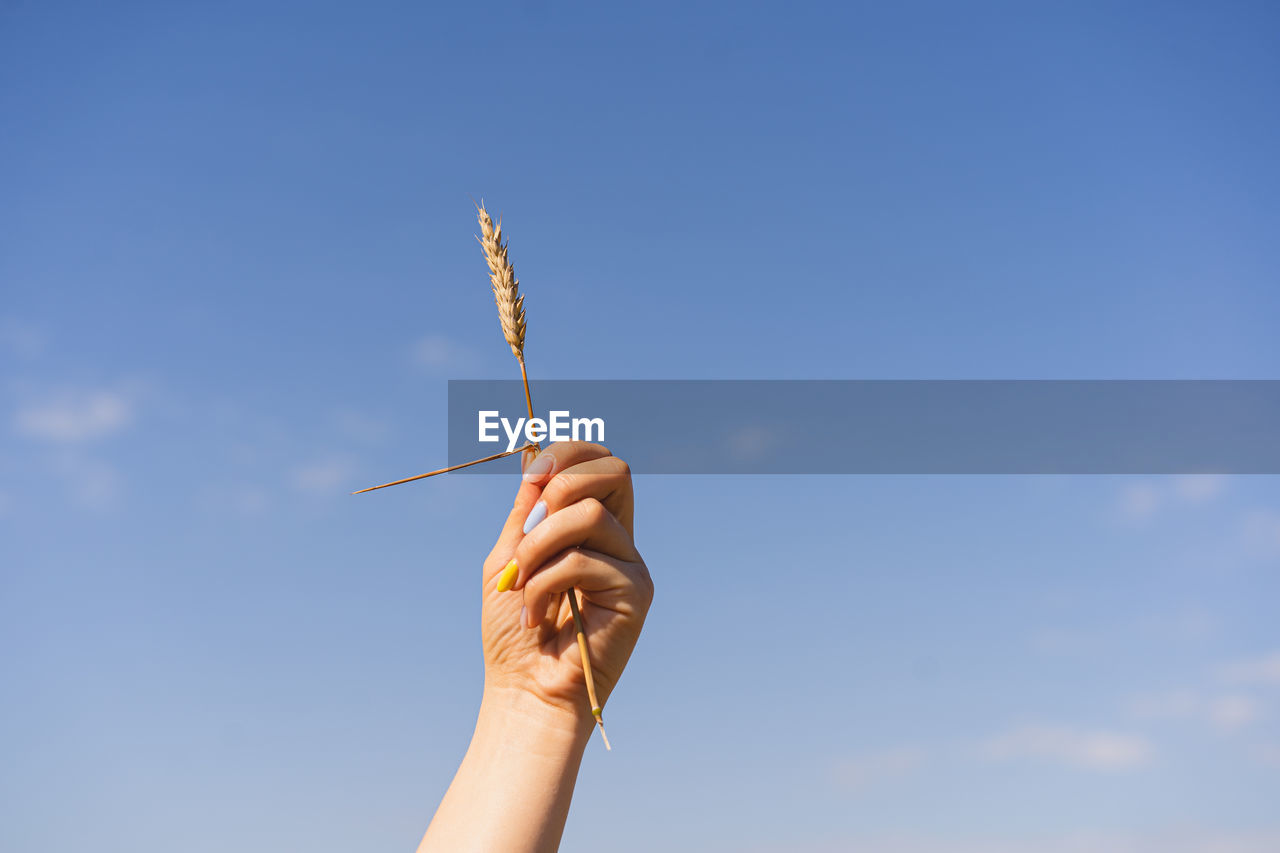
(237, 268)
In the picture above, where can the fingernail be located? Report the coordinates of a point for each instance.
(524, 617)
(536, 515)
(539, 468)
(507, 578)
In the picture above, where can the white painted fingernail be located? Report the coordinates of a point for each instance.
(536, 515)
(539, 467)
(524, 617)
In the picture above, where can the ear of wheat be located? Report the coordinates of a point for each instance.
(506, 295)
(506, 287)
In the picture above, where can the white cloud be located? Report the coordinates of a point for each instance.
(874, 769)
(98, 486)
(1089, 750)
(94, 484)
(250, 500)
(1199, 488)
(1268, 754)
(438, 353)
(1139, 501)
(242, 498)
(71, 418)
(1259, 670)
(360, 427)
(1174, 839)
(1144, 499)
(1233, 712)
(751, 443)
(1171, 705)
(1226, 712)
(323, 476)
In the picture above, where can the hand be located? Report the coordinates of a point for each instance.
(583, 542)
(513, 788)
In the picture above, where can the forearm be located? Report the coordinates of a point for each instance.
(513, 788)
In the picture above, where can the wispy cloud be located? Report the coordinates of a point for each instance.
(250, 500)
(437, 353)
(328, 476)
(1198, 488)
(1144, 499)
(1226, 712)
(1268, 754)
(360, 427)
(1264, 670)
(1174, 839)
(1139, 501)
(877, 768)
(243, 498)
(1234, 711)
(1089, 750)
(93, 483)
(1055, 744)
(1187, 625)
(751, 443)
(74, 417)
(1181, 704)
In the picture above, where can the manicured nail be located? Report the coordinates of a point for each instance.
(507, 578)
(539, 468)
(524, 617)
(536, 515)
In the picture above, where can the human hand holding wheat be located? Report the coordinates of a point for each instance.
(571, 526)
(568, 535)
(514, 786)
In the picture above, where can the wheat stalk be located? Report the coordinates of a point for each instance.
(521, 449)
(506, 295)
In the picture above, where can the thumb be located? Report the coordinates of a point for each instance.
(512, 530)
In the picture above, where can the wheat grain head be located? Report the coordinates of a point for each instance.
(506, 287)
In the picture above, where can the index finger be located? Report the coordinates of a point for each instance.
(556, 457)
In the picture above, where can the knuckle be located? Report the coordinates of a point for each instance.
(623, 469)
(592, 511)
(536, 586)
(576, 562)
(534, 592)
(646, 586)
(555, 491)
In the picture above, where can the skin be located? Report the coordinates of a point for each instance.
(514, 786)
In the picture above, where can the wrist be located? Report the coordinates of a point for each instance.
(522, 763)
(520, 718)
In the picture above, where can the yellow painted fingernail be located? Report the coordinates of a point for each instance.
(507, 578)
